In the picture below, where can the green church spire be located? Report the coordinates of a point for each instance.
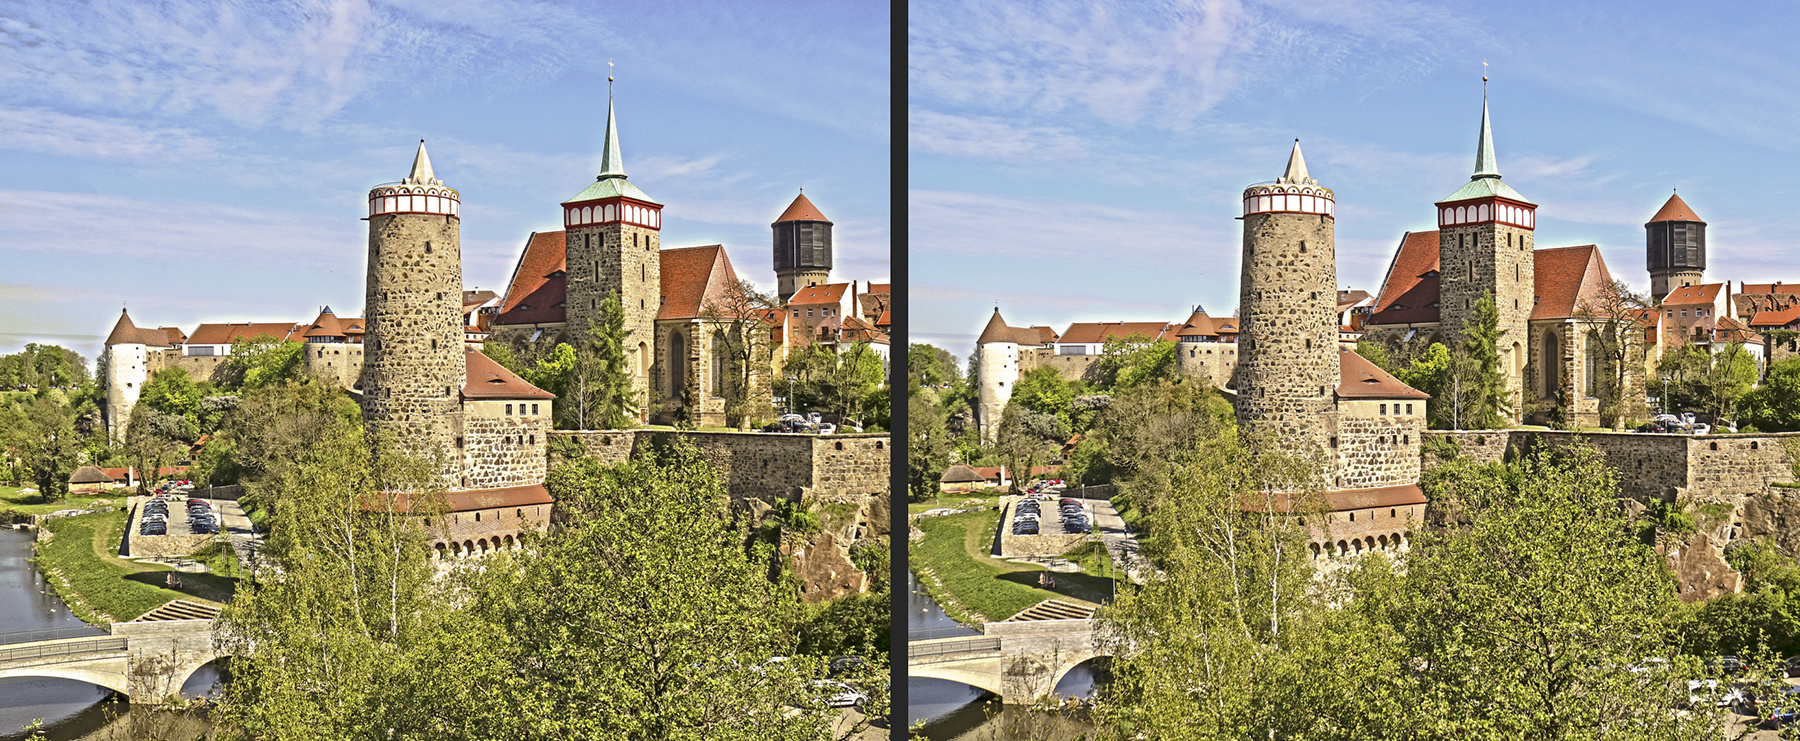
(611, 164)
(1485, 166)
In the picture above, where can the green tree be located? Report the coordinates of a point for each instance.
(642, 616)
(1728, 378)
(931, 367)
(1488, 401)
(173, 391)
(49, 445)
(1612, 318)
(1043, 390)
(1683, 373)
(1134, 361)
(928, 446)
(590, 376)
(260, 362)
(152, 440)
(833, 380)
(739, 321)
(1775, 405)
(1025, 440)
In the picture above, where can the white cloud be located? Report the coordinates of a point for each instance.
(984, 137)
(126, 227)
(53, 132)
(963, 223)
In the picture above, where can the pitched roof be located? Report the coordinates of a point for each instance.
(1775, 318)
(124, 332)
(472, 299)
(542, 306)
(998, 331)
(1348, 298)
(1674, 209)
(230, 332)
(174, 334)
(960, 474)
(326, 325)
(89, 475)
(692, 278)
(886, 319)
(802, 210)
(486, 379)
(829, 293)
(1565, 277)
(1704, 294)
(1341, 500)
(1360, 379)
(1729, 329)
(1409, 294)
(1776, 287)
(543, 255)
(1200, 325)
(1094, 332)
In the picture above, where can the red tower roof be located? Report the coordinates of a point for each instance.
(1675, 210)
(802, 210)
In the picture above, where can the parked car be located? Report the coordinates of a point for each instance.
(1701, 691)
(843, 665)
(827, 429)
(1792, 665)
(839, 695)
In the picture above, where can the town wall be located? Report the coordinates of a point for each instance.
(472, 533)
(1378, 442)
(1213, 362)
(338, 362)
(1357, 531)
(1702, 468)
(842, 469)
(503, 443)
(1071, 367)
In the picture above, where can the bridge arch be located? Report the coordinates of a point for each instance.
(99, 675)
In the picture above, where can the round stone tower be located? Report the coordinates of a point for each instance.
(1287, 370)
(127, 368)
(802, 247)
(1675, 243)
(413, 364)
(997, 350)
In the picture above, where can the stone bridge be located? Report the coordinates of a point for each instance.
(1019, 661)
(146, 660)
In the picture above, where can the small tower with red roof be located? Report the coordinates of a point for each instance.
(802, 247)
(612, 232)
(1675, 247)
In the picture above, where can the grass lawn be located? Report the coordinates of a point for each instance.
(84, 567)
(989, 499)
(976, 587)
(33, 504)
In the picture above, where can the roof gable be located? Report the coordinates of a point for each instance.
(1409, 294)
(693, 278)
(1360, 379)
(486, 379)
(1098, 332)
(544, 254)
(232, 332)
(1564, 278)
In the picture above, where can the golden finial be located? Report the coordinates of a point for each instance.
(1484, 71)
(609, 70)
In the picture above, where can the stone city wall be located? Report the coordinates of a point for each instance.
(769, 467)
(1212, 361)
(339, 362)
(1378, 443)
(472, 533)
(1705, 468)
(503, 444)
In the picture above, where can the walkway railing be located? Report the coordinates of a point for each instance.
(949, 631)
(60, 650)
(49, 634)
(947, 650)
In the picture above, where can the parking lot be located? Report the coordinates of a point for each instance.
(1047, 513)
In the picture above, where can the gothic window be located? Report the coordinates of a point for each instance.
(1552, 362)
(677, 362)
(1593, 364)
(720, 364)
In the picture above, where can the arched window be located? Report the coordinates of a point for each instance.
(1552, 364)
(587, 214)
(643, 358)
(1593, 364)
(721, 364)
(677, 362)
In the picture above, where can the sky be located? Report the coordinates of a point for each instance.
(1084, 161)
(210, 162)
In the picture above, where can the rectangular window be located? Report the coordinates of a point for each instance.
(1684, 313)
(509, 410)
(1409, 409)
(534, 410)
(1383, 410)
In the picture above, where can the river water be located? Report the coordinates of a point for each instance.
(958, 712)
(70, 710)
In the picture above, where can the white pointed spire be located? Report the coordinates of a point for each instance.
(611, 164)
(1296, 169)
(421, 169)
(1485, 167)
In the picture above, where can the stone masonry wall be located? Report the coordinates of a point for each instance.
(617, 259)
(1653, 466)
(501, 449)
(339, 362)
(1477, 259)
(1210, 361)
(769, 467)
(462, 534)
(1287, 370)
(413, 360)
(1378, 443)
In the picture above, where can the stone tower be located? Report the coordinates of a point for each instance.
(611, 238)
(1675, 243)
(998, 367)
(413, 366)
(1288, 367)
(127, 368)
(1484, 246)
(802, 247)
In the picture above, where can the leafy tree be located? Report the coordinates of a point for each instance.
(1728, 378)
(260, 433)
(928, 446)
(1683, 373)
(931, 367)
(1043, 390)
(1145, 431)
(1616, 336)
(740, 325)
(333, 639)
(1025, 440)
(152, 439)
(173, 391)
(1775, 405)
(1489, 400)
(261, 362)
(49, 445)
(1134, 361)
(642, 616)
(590, 376)
(834, 381)
(504, 354)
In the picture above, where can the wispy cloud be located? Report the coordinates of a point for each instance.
(38, 221)
(53, 132)
(986, 137)
(964, 223)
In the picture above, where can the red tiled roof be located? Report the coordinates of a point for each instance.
(692, 278)
(464, 501)
(998, 331)
(1729, 329)
(1566, 277)
(1704, 294)
(1342, 500)
(1776, 287)
(325, 326)
(471, 299)
(989, 472)
(126, 333)
(802, 209)
(1409, 294)
(830, 293)
(880, 287)
(1094, 332)
(175, 335)
(1775, 318)
(1674, 209)
(542, 306)
(886, 319)
(1360, 379)
(1200, 325)
(543, 255)
(117, 474)
(228, 333)
(486, 379)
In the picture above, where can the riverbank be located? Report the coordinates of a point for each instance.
(18, 504)
(953, 565)
(79, 558)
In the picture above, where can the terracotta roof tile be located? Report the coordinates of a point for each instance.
(486, 379)
(1776, 287)
(1565, 277)
(1096, 332)
(1409, 294)
(326, 325)
(543, 255)
(1342, 500)
(830, 293)
(693, 277)
(1200, 325)
(1360, 379)
(998, 331)
(542, 306)
(802, 209)
(124, 332)
(1776, 319)
(1705, 294)
(174, 334)
(230, 332)
(467, 501)
(1674, 209)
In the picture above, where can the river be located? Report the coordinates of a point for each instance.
(958, 712)
(70, 710)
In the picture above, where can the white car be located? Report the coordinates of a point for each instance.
(1701, 690)
(839, 695)
(827, 428)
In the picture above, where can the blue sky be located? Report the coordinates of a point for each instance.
(1082, 161)
(209, 161)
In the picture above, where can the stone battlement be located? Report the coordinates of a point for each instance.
(766, 466)
(1702, 468)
